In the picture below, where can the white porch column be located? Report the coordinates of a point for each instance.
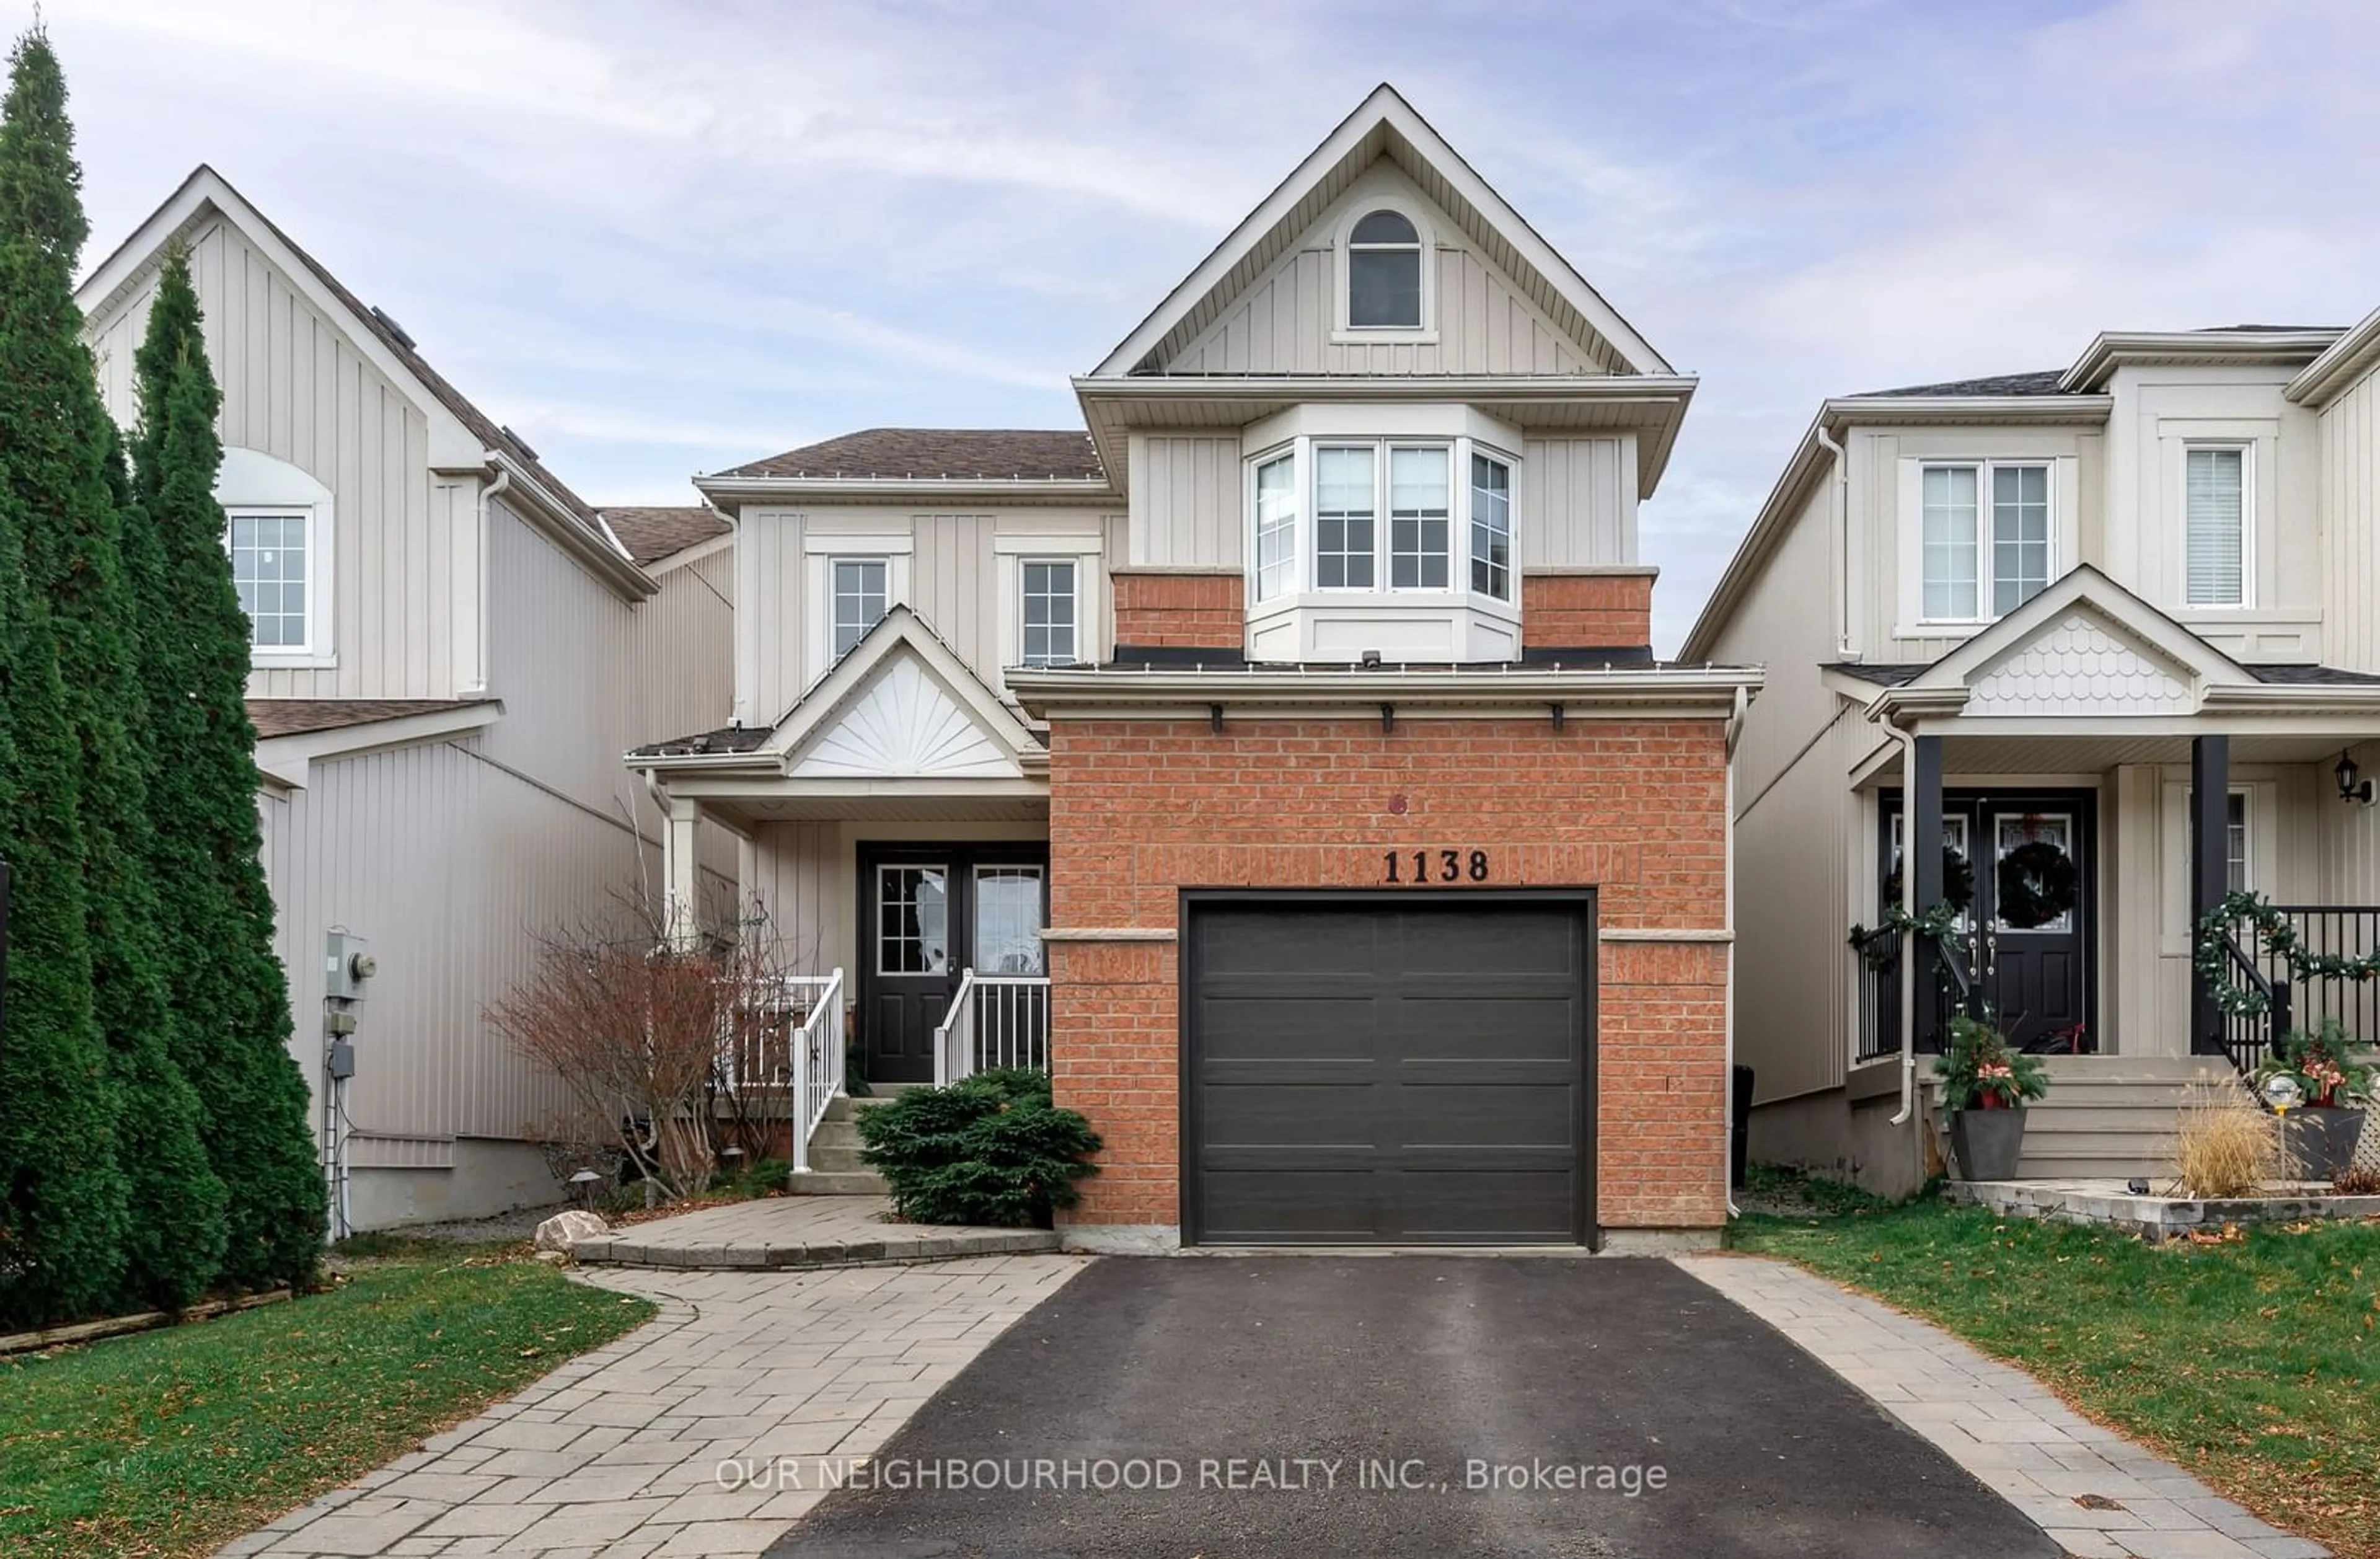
(681, 870)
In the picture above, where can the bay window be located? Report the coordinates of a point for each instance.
(1350, 486)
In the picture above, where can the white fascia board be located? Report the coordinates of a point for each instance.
(1058, 694)
(2113, 349)
(1041, 492)
(285, 760)
(2340, 364)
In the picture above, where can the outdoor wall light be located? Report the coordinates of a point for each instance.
(2349, 789)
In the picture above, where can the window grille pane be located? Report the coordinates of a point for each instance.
(1491, 528)
(1276, 528)
(268, 568)
(1417, 519)
(1049, 614)
(1343, 518)
(1008, 920)
(2216, 522)
(1948, 543)
(860, 589)
(2020, 535)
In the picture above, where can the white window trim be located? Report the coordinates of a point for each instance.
(1305, 593)
(2247, 452)
(1359, 208)
(824, 553)
(1090, 603)
(252, 482)
(1913, 533)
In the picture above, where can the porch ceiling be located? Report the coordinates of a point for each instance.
(2093, 753)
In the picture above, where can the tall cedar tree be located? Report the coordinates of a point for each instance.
(62, 1249)
(230, 990)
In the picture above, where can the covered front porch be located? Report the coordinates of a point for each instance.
(893, 848)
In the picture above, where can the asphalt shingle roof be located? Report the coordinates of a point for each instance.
(927, 454)
(653, 532)
(294, 717)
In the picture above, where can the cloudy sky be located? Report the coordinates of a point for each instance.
(663, 237)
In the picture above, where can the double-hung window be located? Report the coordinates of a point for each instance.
(2215, 526)
(1418, 545)
(862, 595)
(1492, 526)
(1276, 527)
(1344, 518)
(1051, 613)
(1986, 545)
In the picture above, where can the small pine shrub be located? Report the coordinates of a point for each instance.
(991, 1151)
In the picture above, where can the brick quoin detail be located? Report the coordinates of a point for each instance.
(1571, 611)
(1189, 610)
(1140, 810)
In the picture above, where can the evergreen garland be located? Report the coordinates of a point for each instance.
(230, 988)
(2280, 937)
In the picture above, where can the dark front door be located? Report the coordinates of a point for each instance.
(1367, 1070)
(2022, 870)
(928, 914)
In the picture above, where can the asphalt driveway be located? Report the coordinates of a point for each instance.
(1315, 1406)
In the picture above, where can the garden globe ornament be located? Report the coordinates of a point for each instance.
(2283, 1094)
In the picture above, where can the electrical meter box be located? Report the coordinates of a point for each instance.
(348, 964)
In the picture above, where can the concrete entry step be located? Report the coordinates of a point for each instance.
(806, 1231)
(836, 1183)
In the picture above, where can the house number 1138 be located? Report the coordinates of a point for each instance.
(1434, 866)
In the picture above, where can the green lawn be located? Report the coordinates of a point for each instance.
(175, 1442)
(2253, 1361)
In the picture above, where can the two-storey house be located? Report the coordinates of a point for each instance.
(451, 650)
(2100, 642)
(1280, 755)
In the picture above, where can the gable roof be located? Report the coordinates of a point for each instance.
(1384, 125)
(652, 532)
(2085, 587)
(940, 454)
(462, 436)
(2040, 381)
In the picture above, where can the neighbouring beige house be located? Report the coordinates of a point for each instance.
(452, 651)
(1280, 755)
(2105, 642)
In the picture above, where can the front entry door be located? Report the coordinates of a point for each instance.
(2019, 866)
(928, 913)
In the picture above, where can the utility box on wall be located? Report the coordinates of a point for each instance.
(348, 964)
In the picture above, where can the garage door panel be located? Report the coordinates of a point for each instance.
(1436, 1027)
(1387, 1072)
(1451, 942)
(1288, 942)
(1472, 1206)
(1293, 1117)
(1487, 1115)
(1323, 1027)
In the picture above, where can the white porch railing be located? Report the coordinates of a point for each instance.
(789, 1041)
(995, 1020)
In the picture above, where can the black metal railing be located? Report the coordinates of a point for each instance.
(2333, 930)
(2248, 1036)
(1878, 973)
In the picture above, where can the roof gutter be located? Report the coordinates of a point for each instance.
(1054, 490)
(568, 530)
(1049, 692)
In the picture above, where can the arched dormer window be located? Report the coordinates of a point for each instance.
(1384, 273)
(277, 525)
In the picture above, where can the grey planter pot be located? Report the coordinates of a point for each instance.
(1987, 1143)
(2322, 1141)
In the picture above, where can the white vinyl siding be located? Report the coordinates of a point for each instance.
(1987, 538)
(1051, 612)
(862, 595)
(2215, 525)
(1276, 527)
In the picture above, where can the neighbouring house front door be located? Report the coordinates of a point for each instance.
(928, 914)
(2019, 865)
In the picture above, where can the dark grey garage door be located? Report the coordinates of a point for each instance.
(1401, 1069)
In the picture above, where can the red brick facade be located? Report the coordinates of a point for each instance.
(1140, 810)
(1164, 609)
(1575, 611)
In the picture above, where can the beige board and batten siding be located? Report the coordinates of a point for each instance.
(805, 878)
(1286, 321)
(1795, 823)
(2348, 485)
(1188, 501)
(2159, 412)
(956, 571)
(1578, 502)
(296, 389)
(1886, 480)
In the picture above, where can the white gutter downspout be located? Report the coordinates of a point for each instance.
(489, 492)
(1842, 540)
(1908, 740)
(1727, 1169)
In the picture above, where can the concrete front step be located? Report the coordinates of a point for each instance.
(837, 1183)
